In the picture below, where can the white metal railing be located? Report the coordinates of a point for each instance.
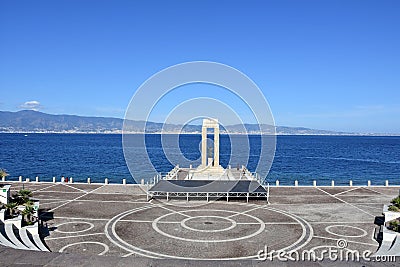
(173, 174)
(252, 175)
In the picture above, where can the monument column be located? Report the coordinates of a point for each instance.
(204, 146)
(216, 146)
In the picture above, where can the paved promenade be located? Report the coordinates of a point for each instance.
(116, 220)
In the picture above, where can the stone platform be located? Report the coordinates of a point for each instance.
(116, 220)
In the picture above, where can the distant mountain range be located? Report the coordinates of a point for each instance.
(28, 121)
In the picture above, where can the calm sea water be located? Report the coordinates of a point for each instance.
(302, 158)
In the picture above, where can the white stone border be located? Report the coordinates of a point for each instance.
(106, 248)
(349, 226)
(73, 232)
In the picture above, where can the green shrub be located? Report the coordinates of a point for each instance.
(394, 225)
(393, 208)
(396, 201)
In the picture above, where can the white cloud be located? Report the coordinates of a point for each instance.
(31, 105)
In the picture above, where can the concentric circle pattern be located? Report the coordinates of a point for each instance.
(185, 231)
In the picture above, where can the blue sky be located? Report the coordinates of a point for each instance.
(322, 64)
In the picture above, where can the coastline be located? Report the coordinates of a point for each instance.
(198, 133)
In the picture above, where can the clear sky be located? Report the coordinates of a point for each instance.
(322, 64)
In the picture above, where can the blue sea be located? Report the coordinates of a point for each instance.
(302, 158)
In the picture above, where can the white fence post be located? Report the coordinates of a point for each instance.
(106, 181)
(277, 183)
(350, 183)
(333, 183)
(386, 183)
(54, 179)
(314, 183)
(296, 183)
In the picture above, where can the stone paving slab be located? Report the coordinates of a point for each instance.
(85, 187)
(57, 195)
(336, 190)
(114, 197)
(361, 192)
(94, 209)
(302, 199)
(294, 191)
(366, 199)
(340, 212)
(122, 189)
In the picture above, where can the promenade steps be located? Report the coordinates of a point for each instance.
(390, 245)
(13, 235)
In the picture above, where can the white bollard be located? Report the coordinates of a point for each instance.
(62, 179)
(37, 179)
(88, 180)
(350, 183)
(54, 179)
(333, 183)
(20, 179)
(277, 183)
(106, 181)
(190, 166)
(124, 181)
(314, 183)
(3, 179)
(71, 180)
(386, 183)
(27, 180)
(296, 183)
(142, 181)
(369, 183)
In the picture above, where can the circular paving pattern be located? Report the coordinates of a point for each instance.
(346, 231)
(221, 231)
(210, 237)
(73, 227)
(82, 247)
(208, 223)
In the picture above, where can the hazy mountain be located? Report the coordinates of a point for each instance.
(34, 121)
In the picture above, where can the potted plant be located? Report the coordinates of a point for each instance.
(27, 215)
(11, 208)
(394, 225)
